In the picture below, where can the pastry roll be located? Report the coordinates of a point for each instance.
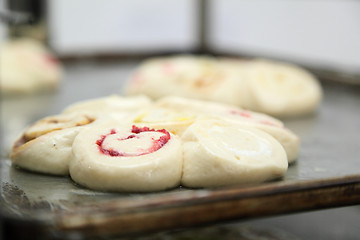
(289, 140)
(157, 77)
(218, 153)
(49, 153)
(274, 88)
(56, 122)
(124, 158)
(112, 104)
(208, 109)
(27, 67)
(173, 120)
(215, 109)
(184, 75)
(46, 145)
(281, 89)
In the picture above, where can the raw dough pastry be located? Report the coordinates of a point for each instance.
(289, 140)
(281, 89)
(217, 153)
(186, 76)
(110, 104)
(126, 159)
(49, 153)
(207, 109)
(27, 67)
(56, 122)
(136, 145)
(172, 120)
(214, 108)
(46, 145)
(270, 87)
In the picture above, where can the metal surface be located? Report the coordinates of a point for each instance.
(327, 173)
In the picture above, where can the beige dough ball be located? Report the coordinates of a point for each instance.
(49, 153)
(129, 159)
(173, 120)
(218, 153)
(184, 75)
(46, 145)
(270, 87)
(109, 105)
(27, 67)
(282, 89)
(214, 110)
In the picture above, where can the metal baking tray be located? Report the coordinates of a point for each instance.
(326, 174)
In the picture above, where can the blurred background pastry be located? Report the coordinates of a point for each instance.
(28, 67)
(275, 88)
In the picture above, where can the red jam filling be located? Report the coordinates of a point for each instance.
(248, 115)
(168, 68)
(137, 79)
(241, 113)
(50, 59)
(268, 123)
(156, 143)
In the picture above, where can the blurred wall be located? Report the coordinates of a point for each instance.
(324, 33)
(88, 26)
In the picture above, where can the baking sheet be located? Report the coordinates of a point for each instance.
(327, 173)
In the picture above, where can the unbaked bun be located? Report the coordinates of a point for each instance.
(218, 153)
(275, 88)
(27, 67)
(109, 104)
(281, 89)
(212, 110)
(136, 145)
(126, 158)
(186, 76)
(46, 145)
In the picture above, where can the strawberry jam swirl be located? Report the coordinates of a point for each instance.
(241, 113)
(247, 115)
(156, 144)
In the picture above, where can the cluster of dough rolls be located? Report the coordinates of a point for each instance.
(275, 88)
(134, 144)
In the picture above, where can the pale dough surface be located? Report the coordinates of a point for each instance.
(109, 104)
(46, 145)
(275, 88)
(212, 110)
(217, 153)
(98, 142)
(56, 122)
(186, 76)
(154, 171)
(49, 153)
(171, 119)
(282, 89)
(27, 67)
